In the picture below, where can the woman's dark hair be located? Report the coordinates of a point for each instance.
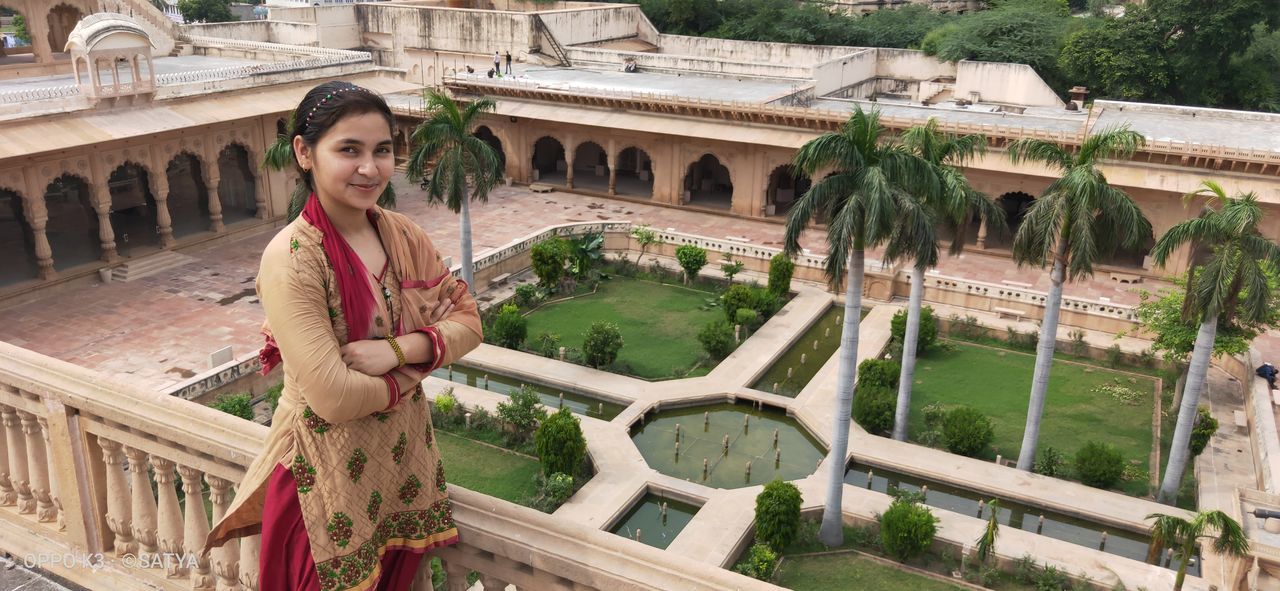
(324, 106)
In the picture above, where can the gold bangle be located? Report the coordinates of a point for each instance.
(396, 347)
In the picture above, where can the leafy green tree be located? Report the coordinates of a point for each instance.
(1161, 314)
(20, 29)
(716, 338)
(873, 408)
(1124, 58)
(1205, 427)
(1028, 32)
(548, 258)
(907, 529)
(902, 27)
(778, 514)
(692, 259)
(1079, 219)
(446, 137)
(1233, 282)
(1171, 531)
(206, 11)
(522, 410)
(240, 405)
(926, 339)
(601, 344)
(559, 443)
(866, 192)
(645, 238)
(781, 268)
(510, 328)
(730, 267)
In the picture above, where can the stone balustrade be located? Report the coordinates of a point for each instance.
(39, 94)
(275, 48)
(121, 484)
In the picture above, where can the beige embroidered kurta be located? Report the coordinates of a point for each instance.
(368, 479)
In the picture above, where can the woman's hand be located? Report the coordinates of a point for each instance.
(372, 357)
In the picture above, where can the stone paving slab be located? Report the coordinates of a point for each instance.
(754, 357)
(718, 531)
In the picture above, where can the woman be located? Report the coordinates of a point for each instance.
(349, 491)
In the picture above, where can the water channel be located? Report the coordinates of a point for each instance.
(826, 331)
(551, 397)
(646, 520)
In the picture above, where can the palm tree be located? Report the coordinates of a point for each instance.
(1231, 283)
(1169, 531)
(869, 188)
(1077, 220)
(279, 156)
(445, 136)
(954, 204)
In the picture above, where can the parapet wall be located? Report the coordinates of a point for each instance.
(395, 28)
(1017, 84)
(593, 24)
(792, 54)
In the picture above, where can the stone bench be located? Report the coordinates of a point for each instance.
(1242, 420)
(1125, 277)
(499, 280)
(541, 188)
(1010, 313)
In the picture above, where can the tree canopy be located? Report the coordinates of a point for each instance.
(206, 11)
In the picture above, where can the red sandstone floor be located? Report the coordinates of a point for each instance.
(159, 330)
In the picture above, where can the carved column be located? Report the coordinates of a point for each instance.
(211, 178)
(195, 529)
(226, 557)
(259, 187)
(102, 205)
(55, 485)
(143, 505)
(164, 221)
(982, 234)
(568, 168)
(38, 467)
(249, 557)
(33, 207)
(611, 159)
(119, 518)
(17, 445)
(38, 30)
(169, 519)
(455, 576)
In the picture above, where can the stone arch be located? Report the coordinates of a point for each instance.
(591, 167)
(549, 163)
(786, 185)
(634, 172)
(1015, 205)
(62, 19)
(133, 209)
(188, 195)
(72, 228)
(17, 241)
(485, 133)
(707, 183)
(237, 184)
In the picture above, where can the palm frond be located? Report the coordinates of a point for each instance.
(1033, 150)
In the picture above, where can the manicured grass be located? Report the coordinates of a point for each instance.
(850, 571)
(659, 324)
(487, 470)
(997, 383)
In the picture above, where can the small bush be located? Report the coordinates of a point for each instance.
(1025, 569)
(510, 327)
(552, 491)
(765, 302)
(925, 340)
(934, 413)
(879, 372)
(1078, 346)
(548, 259)
(446, 401)
(967, 431)
(758, 563)
(734, 298)
(778, 514)
(1050, 462)
(907, 529)
(1204, 428)
(748, 318)
(716, 338)
(692, 259)
(1099, 464)
(1114, 356)
(240, 405)
(273, 395)
(522, 410)
(730, 267)
(601, 343)
(560, 444)
(965, 327)
(781, 269)
(548, 344)
(526, 295)
(1051, 579)
(873, 408)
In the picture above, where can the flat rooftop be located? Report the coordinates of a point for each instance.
(163, 65)
(581, 80)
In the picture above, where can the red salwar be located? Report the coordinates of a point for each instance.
(286, 564)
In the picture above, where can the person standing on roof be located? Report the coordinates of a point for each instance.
(508, 62)
(497, 63)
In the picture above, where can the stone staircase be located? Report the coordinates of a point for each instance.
(149, 265)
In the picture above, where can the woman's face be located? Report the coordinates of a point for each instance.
(351, 163)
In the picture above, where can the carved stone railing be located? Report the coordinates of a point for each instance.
(107, 485)
(276, 48)
(39, 94)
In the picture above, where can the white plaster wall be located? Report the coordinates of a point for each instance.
(297, 34)
(452, 30)
(1004, 83)
(241, 31)
(684, 64)
(844, 71)
(338, 28)
(805, 56)
(572, 27)
(910, 64)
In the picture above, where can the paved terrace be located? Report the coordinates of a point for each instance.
(164, 65)
(754, 90)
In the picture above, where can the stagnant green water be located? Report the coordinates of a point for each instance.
(550, 397)
(654, 529)
(1061, 527)
(826, 331)
(656, 439)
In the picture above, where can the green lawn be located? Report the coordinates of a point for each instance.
(850, 571)
(484, 469)
(997, 382)
(659, 324)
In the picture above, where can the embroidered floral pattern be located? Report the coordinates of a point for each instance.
(355, 464)
(440, 483)
(430, 436)
(382, 416)
(293, 245)
(410, 489)
(417, 394)
(340, 530)
(304, 474)
(347, 571)
(375, 505)
(314, 422)
(402, 444)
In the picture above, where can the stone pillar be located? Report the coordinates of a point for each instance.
(119, 518)
(455, 576)
(194, 530)
(249, 556)
(38, 29)
(211, 178)
(38, 468)
(164, 222)
(102, 205)
(55, 490)
(226, 557)
(259, 188)
(33, 207)
(143, 505)
(982, 234)
(8, 496)
(169, 518)
(17, 448)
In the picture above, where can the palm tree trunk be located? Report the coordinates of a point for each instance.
(1187, 549)
(832, 531)
(465, 221)
(1179, 451)
(909, 341)
(1044, 359)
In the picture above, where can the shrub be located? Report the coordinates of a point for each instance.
(510, 327)
(1051, 579)
(758, 563)
(1113, 356)
(522, 410)
(273, 395)
(778, 514)
(1050, 462)
(967, 431)
(1078, 346)
(1099, 464)
(1204, 428)
(734, 298)
(747, 318)
(780, 270)
(548, 344)
(548, 258)
(764, 302)
(692, 259)
(873, 407)
(934, 413)
(716, 338)
(879, 372)
(240, 405)
(559, 443)
(730, 267)
(907, 529)
(526, 295)
(446, 401)
(601, 343)
(928, 336)
(1025, 569)
(552, 491)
